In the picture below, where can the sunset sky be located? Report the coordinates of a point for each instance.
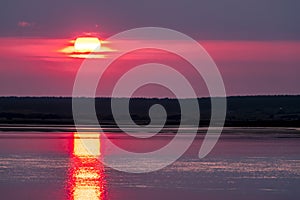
(255, 43)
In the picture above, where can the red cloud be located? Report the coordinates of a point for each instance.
(24, 24)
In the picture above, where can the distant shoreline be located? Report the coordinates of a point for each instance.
(110, 128)
(38, 123)
(67, 132)
(242, 111)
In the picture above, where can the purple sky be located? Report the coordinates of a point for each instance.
(255, 44)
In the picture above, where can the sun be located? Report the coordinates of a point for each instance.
(87, 44)
(86, 47)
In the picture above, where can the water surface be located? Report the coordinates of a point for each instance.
(246, 163)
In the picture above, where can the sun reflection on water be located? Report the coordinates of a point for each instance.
(87, 174)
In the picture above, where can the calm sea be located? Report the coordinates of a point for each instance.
(246, 163)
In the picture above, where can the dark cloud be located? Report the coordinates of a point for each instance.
(211, 19)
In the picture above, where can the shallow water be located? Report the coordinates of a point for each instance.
(262, 163)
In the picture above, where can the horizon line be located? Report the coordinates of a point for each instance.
(107, 97)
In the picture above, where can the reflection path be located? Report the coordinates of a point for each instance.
(87, 174)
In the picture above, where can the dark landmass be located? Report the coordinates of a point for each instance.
(242, 111)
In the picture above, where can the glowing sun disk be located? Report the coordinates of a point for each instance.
(87, 44)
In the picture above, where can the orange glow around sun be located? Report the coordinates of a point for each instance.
(86, 47)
